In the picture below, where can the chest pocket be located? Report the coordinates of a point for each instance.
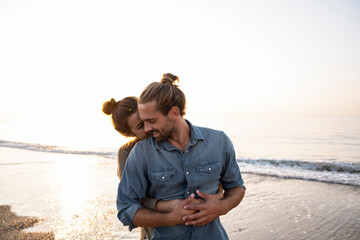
(165, 183)
(209, 175)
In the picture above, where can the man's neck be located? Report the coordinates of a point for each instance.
(181, 136)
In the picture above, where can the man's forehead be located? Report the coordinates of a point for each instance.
(147, 110)
(148, 107)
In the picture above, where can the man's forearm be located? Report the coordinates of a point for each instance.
(147, 218)
(232, 198)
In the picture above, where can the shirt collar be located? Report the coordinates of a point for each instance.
(195, 136)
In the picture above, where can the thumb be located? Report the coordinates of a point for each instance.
(189, 199)
(221, 188)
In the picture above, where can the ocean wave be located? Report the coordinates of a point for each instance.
(332, 172)
(54, 149)
(315, 166)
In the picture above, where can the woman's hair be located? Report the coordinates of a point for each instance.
(120, 111)
(166, 93)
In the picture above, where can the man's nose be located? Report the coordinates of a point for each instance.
(147, 127)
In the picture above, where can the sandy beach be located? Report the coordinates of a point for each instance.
(12, 225)
(74, 196)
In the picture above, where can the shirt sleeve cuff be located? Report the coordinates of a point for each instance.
(150, 203)
(239, 183)
(128, 217)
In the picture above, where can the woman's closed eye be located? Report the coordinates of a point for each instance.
(140, 125)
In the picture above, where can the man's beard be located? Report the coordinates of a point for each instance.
(166, 132)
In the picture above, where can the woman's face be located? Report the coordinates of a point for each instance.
(137, 126)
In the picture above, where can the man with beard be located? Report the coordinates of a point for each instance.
(179, 161)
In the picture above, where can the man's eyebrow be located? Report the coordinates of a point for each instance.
(148, 119)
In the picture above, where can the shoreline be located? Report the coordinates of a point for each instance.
(12, 226)
(78, 202)
(301, 179)
(273, 208)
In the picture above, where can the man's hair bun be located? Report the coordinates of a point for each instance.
(169, 78)
(108, 106)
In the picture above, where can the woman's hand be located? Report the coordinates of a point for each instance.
(168, 205)
(220, 193)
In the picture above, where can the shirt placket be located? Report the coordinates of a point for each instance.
(187, 171)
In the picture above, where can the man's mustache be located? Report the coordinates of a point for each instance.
(153, 131)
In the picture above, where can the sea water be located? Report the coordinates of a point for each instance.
(67, 177)
(320, 149)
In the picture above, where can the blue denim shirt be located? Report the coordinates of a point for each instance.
(159, 170)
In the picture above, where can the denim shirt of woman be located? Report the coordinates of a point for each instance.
(159, 170)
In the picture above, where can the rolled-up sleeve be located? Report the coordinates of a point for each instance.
(127, 216)
(149, 202)
(231, 176)
(132, 188)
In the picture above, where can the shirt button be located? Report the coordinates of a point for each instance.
(187, 192)
(209, 168)
(187, 173)
(162, 177)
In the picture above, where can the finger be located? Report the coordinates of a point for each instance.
(199, 222)
(187, 213)
(189, 199)
(197, 201)
(200, 206)
(220, 193)
(221, 188)
(194, 216)
(202, 195)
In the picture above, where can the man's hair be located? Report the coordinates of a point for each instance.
(166, 93)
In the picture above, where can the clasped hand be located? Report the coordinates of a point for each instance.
(198, 212)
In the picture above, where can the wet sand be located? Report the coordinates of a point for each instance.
(12, 225)
(75, 197)
(273, 208)
(277, 208)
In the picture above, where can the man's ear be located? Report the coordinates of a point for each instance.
(174, 113)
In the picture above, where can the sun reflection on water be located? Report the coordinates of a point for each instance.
(84, 198)
(75, 194)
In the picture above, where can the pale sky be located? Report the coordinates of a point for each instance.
(60, 60)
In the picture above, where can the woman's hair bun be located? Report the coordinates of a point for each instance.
(169, 78)
(108, 106)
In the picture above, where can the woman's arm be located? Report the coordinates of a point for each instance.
(153, 203)
(122, 156)
(168, 206)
